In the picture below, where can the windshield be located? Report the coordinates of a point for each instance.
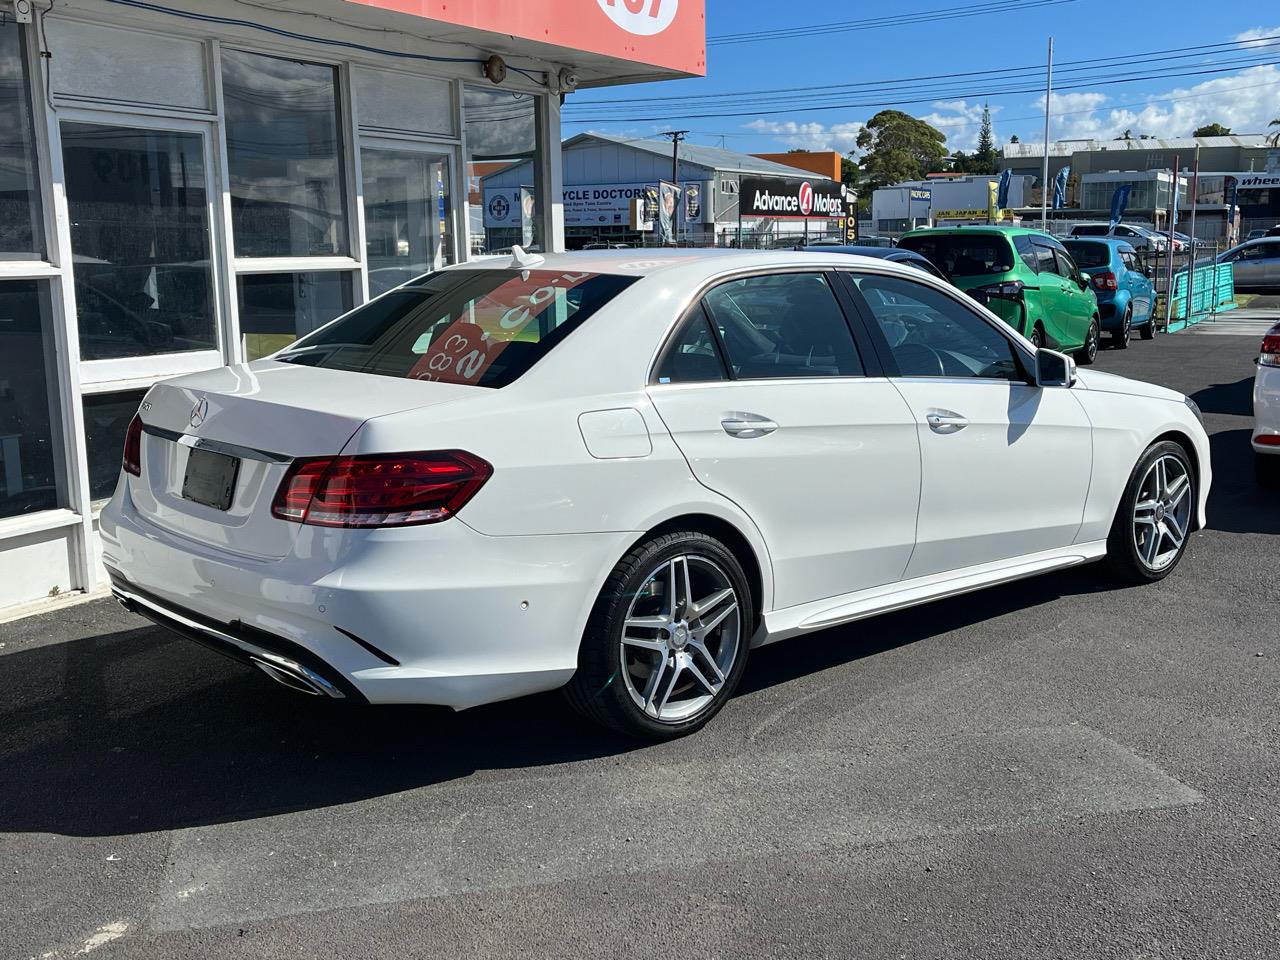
(963, 255)
(481, 327)
(1088, 254)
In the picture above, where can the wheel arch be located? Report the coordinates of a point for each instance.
(727, 533)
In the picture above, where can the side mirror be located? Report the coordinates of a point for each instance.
(1054, 369)
(1085, 278)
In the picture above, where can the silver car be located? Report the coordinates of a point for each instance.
(1256, 262)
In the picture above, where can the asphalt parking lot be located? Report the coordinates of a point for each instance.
(1049, 769)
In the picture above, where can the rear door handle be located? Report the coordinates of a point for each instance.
(747, 426)
(945, 421)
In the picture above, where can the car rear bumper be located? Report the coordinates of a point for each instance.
(1266, 409)
(435, 614)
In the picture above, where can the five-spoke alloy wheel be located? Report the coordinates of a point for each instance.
(667, 640)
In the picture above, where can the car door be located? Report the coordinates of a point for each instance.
(1248, 264)
(1055, 298)
(1006, 464)
(1138, 284)
(1080, 303)
(777, 407)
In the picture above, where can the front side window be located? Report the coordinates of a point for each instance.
(284, 154)
(480, 327)
(1045, 262)
(782, 325)
(21, 232)
(138, 206)
(932, 335)
(1066, 266)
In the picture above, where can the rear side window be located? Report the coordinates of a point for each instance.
(480, 327)
(964, 255)
(1026, 250)
(1045, 263)
(782, 325)
(693, 356)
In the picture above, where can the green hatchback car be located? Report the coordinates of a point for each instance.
(1025, 277)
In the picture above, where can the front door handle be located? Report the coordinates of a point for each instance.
(747, 426)
(945, 421)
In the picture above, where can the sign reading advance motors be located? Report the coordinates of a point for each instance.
(791, 199)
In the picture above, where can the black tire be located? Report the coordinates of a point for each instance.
(1124, 561)
(1037, 337)
(1148, 330)
(1120, 339)
(1266, 467)
(1089, 352)
(599, 690)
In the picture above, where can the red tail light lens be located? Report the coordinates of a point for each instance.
(379, 490)
(1270, 354)
(1106, 280)
(133, 447)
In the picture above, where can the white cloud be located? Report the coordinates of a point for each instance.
(1253, 38)
(841, 137)
(961, 121)
(1245, 102)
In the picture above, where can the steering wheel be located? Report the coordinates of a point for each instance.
(917, 360)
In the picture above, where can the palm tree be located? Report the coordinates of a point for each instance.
(1274, 139)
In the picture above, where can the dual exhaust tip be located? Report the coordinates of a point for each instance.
(289, 674)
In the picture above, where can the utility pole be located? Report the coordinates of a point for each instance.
(676, 136)
(1044, 177)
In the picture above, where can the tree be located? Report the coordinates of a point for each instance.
(1014, 139)
(850, 172)
(1212, 130)
(899, 147)
(1128, 135)
(1274, 139)
(985, 157)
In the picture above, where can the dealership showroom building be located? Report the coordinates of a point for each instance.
(189, 185)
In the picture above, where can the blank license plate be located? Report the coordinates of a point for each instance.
(210, 478)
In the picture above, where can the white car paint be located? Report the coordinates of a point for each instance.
(1266, 397)
(853, 505)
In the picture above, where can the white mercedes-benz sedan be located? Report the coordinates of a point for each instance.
(616, 472)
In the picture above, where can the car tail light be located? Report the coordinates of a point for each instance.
(1268, 439)
(1105, 280)
(1012, 290)
(379, 490)
(1270, 354)
(133, 447)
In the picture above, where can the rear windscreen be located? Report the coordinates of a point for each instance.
(480, 327)
(1087, 254)
(960, 255)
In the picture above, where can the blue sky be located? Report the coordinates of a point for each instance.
(1237, 84)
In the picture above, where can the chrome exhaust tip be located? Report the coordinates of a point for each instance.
(289, 675)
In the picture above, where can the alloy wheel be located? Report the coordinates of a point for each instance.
(1162, 512)
(1091, 343)
(680, 639)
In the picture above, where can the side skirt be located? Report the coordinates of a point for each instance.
(820, 614)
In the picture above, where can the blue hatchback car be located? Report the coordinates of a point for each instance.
(1126, 296)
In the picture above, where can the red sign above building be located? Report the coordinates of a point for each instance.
(661, 33)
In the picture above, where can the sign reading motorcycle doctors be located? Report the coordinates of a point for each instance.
(793, 199)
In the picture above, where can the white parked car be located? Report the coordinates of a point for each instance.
(1266, 410)
(618, 472)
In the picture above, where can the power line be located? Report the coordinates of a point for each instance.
(875, 23)
(1084, 84)
(1171, 53)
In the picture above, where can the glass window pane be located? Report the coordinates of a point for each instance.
(694, 355)
(503, 166)
(277, 308)
(481, 327)
(30, 455)
(140, 240)
(932, 335)
(21, 230)
(784, 325)
(106, 421)
(284, 150)
(407, 211)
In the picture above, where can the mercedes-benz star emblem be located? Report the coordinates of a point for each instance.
(199, 412)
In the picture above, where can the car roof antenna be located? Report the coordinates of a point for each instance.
(521, 260)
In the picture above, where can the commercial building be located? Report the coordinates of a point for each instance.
(604, 173)
(1239, 178)
(186, 185)
(939, 200)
